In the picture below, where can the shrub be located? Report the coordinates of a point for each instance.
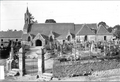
(114, 51)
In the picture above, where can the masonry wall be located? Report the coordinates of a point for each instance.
(109, 37)
(101, 37)
(7, 39)
(91, 37)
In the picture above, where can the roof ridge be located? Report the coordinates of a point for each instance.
(53, 23)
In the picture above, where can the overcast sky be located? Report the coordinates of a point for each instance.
(12, 12)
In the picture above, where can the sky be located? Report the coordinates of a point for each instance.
(78, 12)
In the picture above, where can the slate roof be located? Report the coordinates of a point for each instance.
(25, 37)
(85, 30)
(10, 34)
(60, 30)
(102, 31)
(92, 26)
(78, 27)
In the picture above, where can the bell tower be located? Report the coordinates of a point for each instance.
(27, 17)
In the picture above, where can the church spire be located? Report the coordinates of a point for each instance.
(27, 16)
(27, 11)
(29, 19)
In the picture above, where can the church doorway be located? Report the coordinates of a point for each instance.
(29, 39)
(38, 43)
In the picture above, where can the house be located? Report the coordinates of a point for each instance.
(10, 35)
(103, 34)
(84, 33)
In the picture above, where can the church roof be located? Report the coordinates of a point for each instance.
(10, 34)
(92, 26)
(58, 29)
(25, 37)
(78, 27)
(85, 30)
(102, 31)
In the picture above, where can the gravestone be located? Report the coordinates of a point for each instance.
(41, 66)
(92, 46)
(9, 61)
(20, 62)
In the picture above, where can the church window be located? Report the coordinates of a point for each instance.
(1, 40)
(29, 39)
(51, 38)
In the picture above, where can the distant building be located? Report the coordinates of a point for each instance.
(38, 34)
(85, 32)
(5, 36)
(103, 34)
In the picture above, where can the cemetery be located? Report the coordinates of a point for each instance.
(75, 43)
(68, 60)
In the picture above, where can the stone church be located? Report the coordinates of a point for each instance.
(38, 34)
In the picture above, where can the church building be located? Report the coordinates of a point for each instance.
(38, 34)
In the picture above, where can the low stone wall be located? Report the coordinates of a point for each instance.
(67, 69)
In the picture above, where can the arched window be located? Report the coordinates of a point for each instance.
(1, 40)
(51, 39)
(29, 39)
(16, 40)
(85, 39)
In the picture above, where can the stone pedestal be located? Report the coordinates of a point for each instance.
(21, 62)
(41, 66)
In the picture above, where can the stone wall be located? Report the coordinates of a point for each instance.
(67, 69)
